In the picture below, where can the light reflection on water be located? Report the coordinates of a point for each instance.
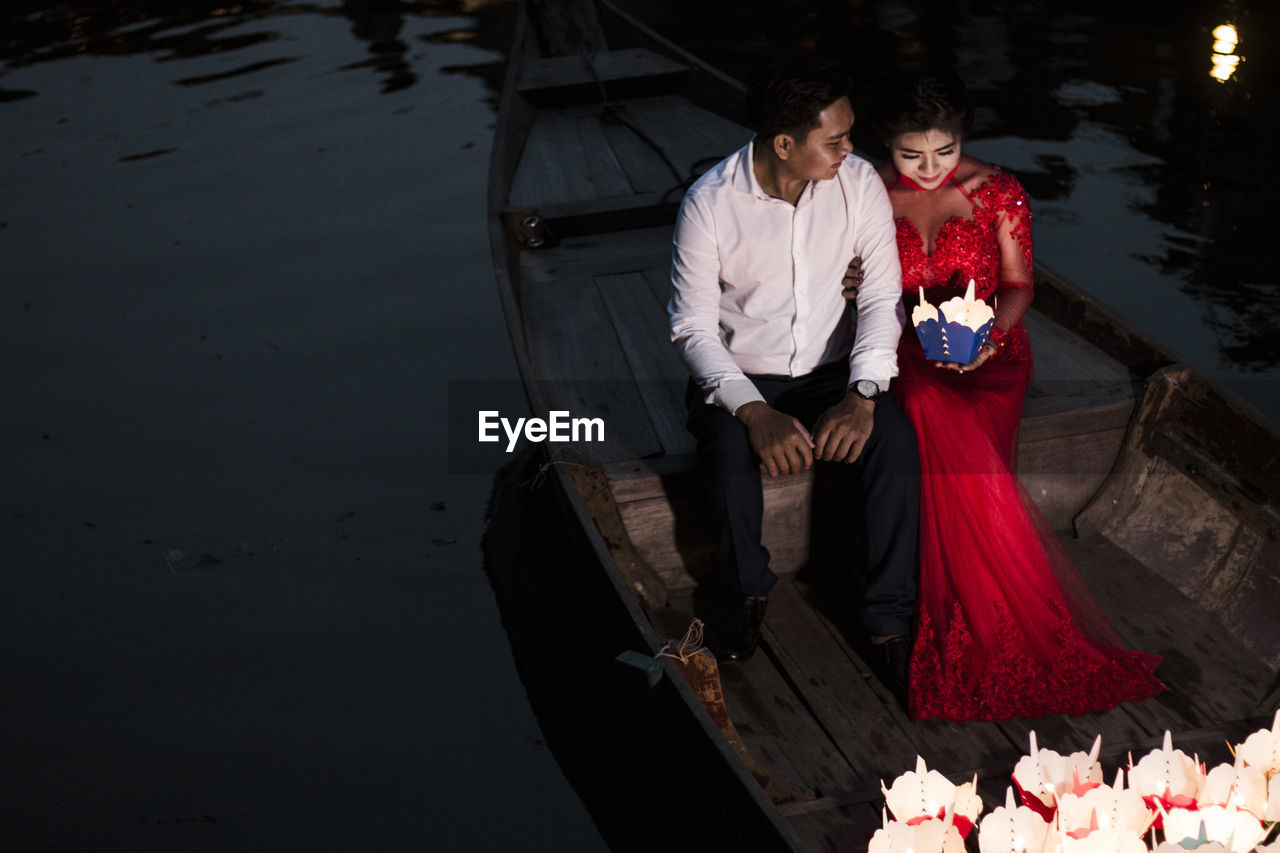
(168, 32)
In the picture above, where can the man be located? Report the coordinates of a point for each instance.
(782, 373)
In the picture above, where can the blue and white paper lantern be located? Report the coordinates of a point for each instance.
(955, 330)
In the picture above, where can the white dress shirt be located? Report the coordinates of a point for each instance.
(757, 281)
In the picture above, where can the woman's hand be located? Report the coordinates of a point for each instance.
(980, 359)
(852, 279)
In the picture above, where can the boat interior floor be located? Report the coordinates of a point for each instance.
(815, 717)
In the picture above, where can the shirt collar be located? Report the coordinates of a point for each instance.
(744, 180)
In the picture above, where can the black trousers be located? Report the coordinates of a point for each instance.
(888, 471)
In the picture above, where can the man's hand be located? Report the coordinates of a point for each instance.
(852, 279)
(843, 429)
(781, 441)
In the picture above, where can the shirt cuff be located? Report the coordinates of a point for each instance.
(880, 368)
(733, 394)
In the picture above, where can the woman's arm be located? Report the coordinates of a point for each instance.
(1013, 235)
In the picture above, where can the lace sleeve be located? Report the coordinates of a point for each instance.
(1013, 233)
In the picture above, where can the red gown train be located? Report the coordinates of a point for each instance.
(1006, 627)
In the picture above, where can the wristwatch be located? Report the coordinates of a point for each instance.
(867, 389)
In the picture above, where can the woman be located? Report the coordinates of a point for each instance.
(1006, 626)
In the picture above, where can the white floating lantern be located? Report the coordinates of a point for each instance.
(929, 835)
(1238, 786)
(1272, 812)
(1043, 775)
(1262, 749)
(925, 793)
(1206, 847)
(1237, 831)
(1104, 841)
(1014, 828)
(1108, 807)
(1166, 777)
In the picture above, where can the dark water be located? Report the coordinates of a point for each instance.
(244, 607)
(243, 253)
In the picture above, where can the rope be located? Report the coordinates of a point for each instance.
(688, 647)
(537, 480)
(612, 113)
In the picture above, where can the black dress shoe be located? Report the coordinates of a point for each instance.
(892, 662)
(742, 628)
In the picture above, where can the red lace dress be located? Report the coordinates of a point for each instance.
(1007, 627)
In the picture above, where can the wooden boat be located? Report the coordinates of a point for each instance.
(1165, 487)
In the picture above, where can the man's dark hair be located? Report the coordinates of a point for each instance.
(916, 100)
(791, 93)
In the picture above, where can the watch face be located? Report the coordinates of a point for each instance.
(867, 388)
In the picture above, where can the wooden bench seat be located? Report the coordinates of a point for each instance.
(565, 78)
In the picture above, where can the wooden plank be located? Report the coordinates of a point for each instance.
(1067, 734)
(955, 749)
(1062, 355)
(598, 502)
(557, 76)
(567, 159)
(705, 85)
(605, 215)
(596, 254)
(779, 731)
(653, 160)
(645, 479)
(1155, 716)
(669, 126)
(846, 829)
(644, 165)
(583, 368)
(671, 532)
(568, 27)
(721, 133)
(540, 177)
(1062, 474)
(858, 712)
(641, 326)
(1212, 676)
(584, 149)
(1074, 407)
(659, 279)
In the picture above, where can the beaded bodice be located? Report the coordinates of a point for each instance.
(968, 248)
(991, 244)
